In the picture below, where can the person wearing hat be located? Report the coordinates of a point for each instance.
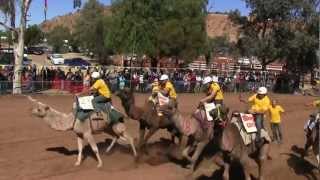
(102, 94)
(213, 91)
(166, 88)
(260, 104)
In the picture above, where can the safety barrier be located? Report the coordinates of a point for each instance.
(78, 86)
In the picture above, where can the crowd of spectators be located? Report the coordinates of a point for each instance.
(76, 79)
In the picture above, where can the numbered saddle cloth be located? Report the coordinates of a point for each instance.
(208, 108)
(247, 137)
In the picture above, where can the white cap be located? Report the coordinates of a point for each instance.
(262, 90)
(215, 79)
(164, 77)
(95, 75)
(207, 80)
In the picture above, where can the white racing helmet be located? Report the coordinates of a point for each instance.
(262, 90)
(164, 77)
(95, 75)
(207, 80)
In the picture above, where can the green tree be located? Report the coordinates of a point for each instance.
(9, 9)
(259, 35)
(33, 36)
(91, 29)
(57, 36)
(158, 28)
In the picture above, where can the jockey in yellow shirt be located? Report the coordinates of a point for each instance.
(260, 104)
(213, 91)
(101, 92)
(166, 88)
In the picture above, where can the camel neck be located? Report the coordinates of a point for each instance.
(128, 105)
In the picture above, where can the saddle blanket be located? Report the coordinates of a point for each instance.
(200, 116)
(248, 138)
(163, 100)
(209, 107)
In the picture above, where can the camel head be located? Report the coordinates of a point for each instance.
(40, 111)
(125, 95)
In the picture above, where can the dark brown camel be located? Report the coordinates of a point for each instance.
(233, 145)
(313, 141)
(184, 128)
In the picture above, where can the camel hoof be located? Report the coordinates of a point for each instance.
(77, 163)
(99, 165)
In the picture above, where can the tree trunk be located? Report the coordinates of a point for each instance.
(154, 63)
(19, 51)
(312, 80)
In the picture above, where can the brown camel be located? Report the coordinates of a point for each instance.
(83, 129)
(191, 133)
(234, 146)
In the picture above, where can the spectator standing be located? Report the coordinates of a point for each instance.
(275, 120)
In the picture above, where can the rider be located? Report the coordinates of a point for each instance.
(166, 88)
(155, 90)
(213, 91)
(260, 104)
(102, 94)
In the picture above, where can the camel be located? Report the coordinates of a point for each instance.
(83, 129)
(188, 130)
(233, 145)
(313, 141)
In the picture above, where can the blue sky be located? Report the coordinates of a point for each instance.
(61, 7)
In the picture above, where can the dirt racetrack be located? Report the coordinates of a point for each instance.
(29, 149)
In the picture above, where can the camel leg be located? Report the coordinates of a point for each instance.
(185, 153)
(245, 162)
(218, 159)
(197, 153)
(94, 147)
(80, 148)
(114, 140)
(130, 140)
(262, 157)
(142, 132)
(183, 142)
(149, 134)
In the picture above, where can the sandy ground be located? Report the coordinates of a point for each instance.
(29, 149)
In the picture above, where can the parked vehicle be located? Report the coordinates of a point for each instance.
(77, 62)
(34, 50)
(8, 59)
(56, 59)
